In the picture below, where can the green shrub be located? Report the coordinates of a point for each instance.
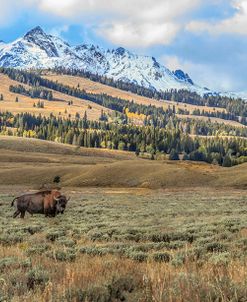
(138, 256)
(66, 242)
(119, 286)
(132, 237)
(95, 235)
(8, 262)
(33, 229)
(63, 255)
(161, 257)
(158, 237)
(93, 251)
(220, 259)
(115, 290)
(178, 260)
(216, 247)
(37, 277)
(38, 249)
(11, 239)
(53, 235)
(14, 263)
(242, 243)
(197, 253)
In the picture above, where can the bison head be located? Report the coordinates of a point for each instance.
(61, 203)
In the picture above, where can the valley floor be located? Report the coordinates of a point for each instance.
(134, 230)
(127, 245)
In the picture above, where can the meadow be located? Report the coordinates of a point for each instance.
(127, 245)
(134, 230)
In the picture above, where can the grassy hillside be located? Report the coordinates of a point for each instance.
(40, 146)
(98, 88)
(59, 106)
(95, 87)
(33, 162)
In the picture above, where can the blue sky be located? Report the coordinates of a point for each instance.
(207, 39)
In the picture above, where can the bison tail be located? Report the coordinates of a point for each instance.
(13, 202)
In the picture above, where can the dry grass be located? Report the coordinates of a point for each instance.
(127, 245)
(58, 108)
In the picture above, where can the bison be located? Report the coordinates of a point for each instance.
(49, 202)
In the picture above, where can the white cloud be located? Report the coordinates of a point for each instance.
(237, 24)
(172, 62)
(141, 35)
(203, 74)
(138, 23)
(9, 11)
(59, 30)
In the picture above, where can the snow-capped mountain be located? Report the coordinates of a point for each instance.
(40, 50)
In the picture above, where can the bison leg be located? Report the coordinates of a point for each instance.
(17, 212)
(51, 214)
(47, 214)
(22, 214)
(30, 212)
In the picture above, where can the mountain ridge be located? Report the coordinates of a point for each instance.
(39, 50)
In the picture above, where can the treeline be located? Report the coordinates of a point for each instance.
(35, 92)
(236, 107)
(139, 139)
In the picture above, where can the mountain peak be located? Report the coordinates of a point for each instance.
(120, 51)
(35, 32)
(38, 37)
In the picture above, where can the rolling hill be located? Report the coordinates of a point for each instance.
(32, 163)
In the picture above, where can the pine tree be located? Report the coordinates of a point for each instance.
(227, 162)
(174, 155)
